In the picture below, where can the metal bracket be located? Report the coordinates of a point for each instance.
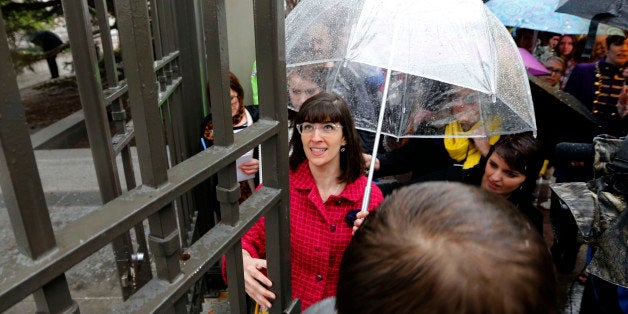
(166, 246)
(228, 195)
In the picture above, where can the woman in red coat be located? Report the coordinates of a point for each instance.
(326, 184)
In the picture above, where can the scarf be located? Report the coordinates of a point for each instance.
(462, 149)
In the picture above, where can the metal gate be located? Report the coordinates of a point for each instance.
(170, 50)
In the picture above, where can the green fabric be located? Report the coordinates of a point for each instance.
(254, 84)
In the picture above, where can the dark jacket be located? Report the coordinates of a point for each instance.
(582, 84)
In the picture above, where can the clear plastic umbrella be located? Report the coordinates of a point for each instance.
(402, 65)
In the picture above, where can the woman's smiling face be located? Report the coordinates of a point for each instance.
(322, 147)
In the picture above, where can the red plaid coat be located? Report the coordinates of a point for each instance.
(318, 234)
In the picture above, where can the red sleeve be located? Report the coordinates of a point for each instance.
(253, 241)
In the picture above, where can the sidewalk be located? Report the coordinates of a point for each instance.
(69, 180)
(41, 73)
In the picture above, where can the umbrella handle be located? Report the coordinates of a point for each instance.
(378, 133)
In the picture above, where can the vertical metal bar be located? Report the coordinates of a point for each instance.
(25, 199)
(216, 48)
(270, 55)
(96, 122)
(142, 271)
(154, 17)
(137, 53)
(191, 69)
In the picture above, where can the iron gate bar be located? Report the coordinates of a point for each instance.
(165, 60)
(88, 234)
(120, 145)
(137, 53)
(217, 63)
(25, 199)
(114, 92)
(170, 89)
(158, 296)
(96, 122)
(269, 18)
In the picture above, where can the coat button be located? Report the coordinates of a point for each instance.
(332, 228)
(319, 277)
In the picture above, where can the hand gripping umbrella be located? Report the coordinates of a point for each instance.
(401, 64)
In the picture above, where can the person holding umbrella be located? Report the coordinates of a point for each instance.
(326, 184)
(462, 148)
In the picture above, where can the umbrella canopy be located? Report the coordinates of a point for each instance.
(550, 103)
(611, 12)
(364, 42)
(412, 68)
(537, 15)
(532, 64)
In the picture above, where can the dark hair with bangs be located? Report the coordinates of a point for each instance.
(446, 247)
(329, 107)
(521, 152)
(614, 40)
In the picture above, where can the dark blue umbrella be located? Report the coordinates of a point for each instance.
(611, 12)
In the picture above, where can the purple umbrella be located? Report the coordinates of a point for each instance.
(534, 66)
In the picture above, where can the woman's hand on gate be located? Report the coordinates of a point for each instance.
(255, 282)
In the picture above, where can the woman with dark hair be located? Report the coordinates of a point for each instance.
(512, 167)
(443, 247)
(241, 119)
(509, 169)
(326, 184)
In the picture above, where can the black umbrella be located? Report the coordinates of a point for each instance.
(560, 117)
(611, 12)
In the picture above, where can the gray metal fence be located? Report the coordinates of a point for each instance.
(170, 50)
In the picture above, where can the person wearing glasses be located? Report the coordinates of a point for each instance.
(462, 147)
(326, 185)
(556, 65)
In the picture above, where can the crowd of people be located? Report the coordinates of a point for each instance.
(413, 243)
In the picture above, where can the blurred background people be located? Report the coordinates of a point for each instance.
(598, 86)
(556, 65)
(547, 46)
(565, 50)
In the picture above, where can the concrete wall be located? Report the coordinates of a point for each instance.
(241, 42)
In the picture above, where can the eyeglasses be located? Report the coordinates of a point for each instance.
(555, 70)
(326, 129)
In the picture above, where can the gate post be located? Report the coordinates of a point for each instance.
(25, 199)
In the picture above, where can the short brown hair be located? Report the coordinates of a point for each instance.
(445, 247)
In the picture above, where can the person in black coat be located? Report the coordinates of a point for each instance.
(48, 41)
